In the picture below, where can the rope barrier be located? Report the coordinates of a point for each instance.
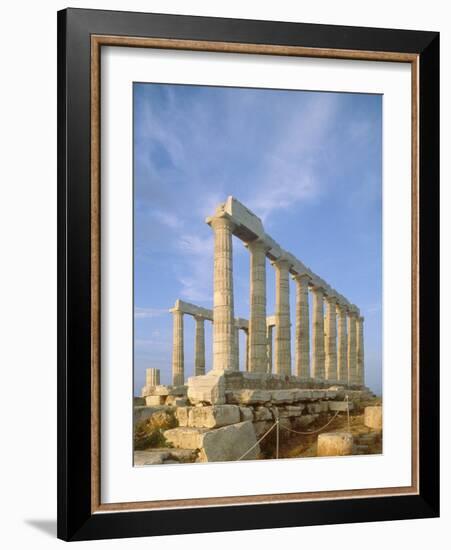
(276, 423)
(314, 431)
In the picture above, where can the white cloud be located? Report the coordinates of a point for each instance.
(148, 312)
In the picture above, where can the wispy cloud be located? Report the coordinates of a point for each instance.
(148, 312)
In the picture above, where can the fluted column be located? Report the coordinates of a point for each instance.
(302, 343)
(199, 351)
(223, 315)
(236, 356)
(178, 367)
(318, 357)
(360, 352)
(342, 338)
(257, 317)
(269, 348)
(246, 332)
(352, 348)
(282, 340)
(331, 339)
(152, 377)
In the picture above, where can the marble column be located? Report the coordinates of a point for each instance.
(318, 356)
(331, 339)
(199, 351)
(152, 377)
(342, 338)
(352, 348)
(223, 315)
(246, 364)
(236, 357)
(269, 348)
(360, 352)
(302, 343)
(178, 367)
(282, 340)
(257, 317)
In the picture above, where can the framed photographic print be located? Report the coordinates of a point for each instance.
(248, 274)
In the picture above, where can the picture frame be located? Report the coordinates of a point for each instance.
(81, 36)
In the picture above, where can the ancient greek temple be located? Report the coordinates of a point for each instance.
(332, 351)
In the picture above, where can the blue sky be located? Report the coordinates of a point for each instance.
(308, 163)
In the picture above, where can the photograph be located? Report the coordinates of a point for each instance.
(257, 274)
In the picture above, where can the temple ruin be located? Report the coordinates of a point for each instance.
(328, 364)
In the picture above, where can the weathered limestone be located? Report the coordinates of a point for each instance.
(257, 318)
(360, 352)
(302, 361)
(318, 359)
(341, 406)
(269, 348)
(223, 315)
(248, 397)
(213, 416)
(178, 368)
(229, 443)
(352, 348)
(236, 350)
(342, 339)
(335, 444)
(331, 339)
(152, 377)
(199, 351)
(209, 388)
(185, 437)
(282, 340)
(373, 417)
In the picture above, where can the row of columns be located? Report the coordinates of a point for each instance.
(178, 355)
(337, 340)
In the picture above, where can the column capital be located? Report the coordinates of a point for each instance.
(318, 289)
(257, 244)
(331, 299)
(221, 220)
(301, 277)
(281, 263)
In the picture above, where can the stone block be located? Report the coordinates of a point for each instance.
(373, 417)
(262, 413)
(208, 388)
(335, 406)
(291, 411)
(303, 395)
(147, 458)
(283, 396)
(143, 413)
(314, 408)
(318, 394)
(246, 414)
(214, 416)
(335, 444)
(185, 437)
(155, 400)
(182, 415)
(229, 443)
(248, 397)
(261, 427)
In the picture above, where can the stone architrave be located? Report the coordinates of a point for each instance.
(342, 344)
(178, 368)
(223, 314)
(302, 344)
(360, 352)
(331, 339)
(282, 340)
(318, 357)
(199, 352)
(352, 348)
(257, 319)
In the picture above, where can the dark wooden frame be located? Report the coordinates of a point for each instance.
(81, 33)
